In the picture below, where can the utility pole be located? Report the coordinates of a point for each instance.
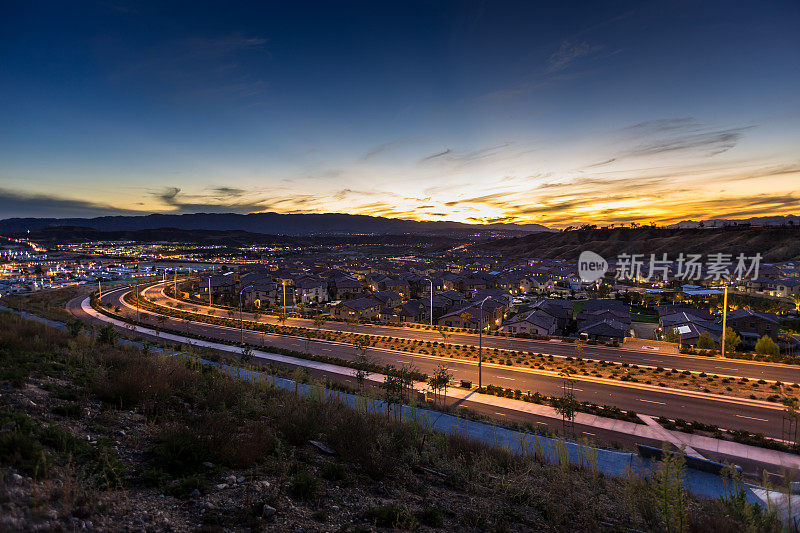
(480, 343)
(99, 289)
(136, 288)
(431, 282)
(241, 320)
(209, 291)
(724, 318)
(175, 290)
(284, 297)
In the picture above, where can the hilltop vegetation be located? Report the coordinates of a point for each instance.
(105, 437)
(774, 243)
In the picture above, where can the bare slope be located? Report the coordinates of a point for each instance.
(774, 243)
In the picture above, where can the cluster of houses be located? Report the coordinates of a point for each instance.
(690, 323)
(519, 299)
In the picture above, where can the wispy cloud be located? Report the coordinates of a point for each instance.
(20, 204)
(202, 68)
(385, 147)
(568, 52)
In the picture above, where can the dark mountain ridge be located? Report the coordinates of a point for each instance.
(773, 243)
(264, 223)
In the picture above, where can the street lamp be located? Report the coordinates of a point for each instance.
(480, 342)
(431, 282)
(283, 282)
(241, 320)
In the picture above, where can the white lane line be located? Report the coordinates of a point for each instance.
(752, 418)
(651, 401)
(727, 368)
(577, 389)
(510, 379)
(501, 414)
(542, 423)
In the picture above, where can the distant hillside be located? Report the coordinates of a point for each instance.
(227, 238)
(777, 220)
(774, 244)
(264, 223)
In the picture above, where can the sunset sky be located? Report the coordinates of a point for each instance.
(556, 113)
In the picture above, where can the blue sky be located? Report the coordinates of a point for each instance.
(556, 113)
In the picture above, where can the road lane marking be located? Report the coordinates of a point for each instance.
(753, 418)
(651, 401)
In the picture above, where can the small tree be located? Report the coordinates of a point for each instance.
(672, 335)
(705, 342)
(669, 490)
(247, 354)
(440, 380)
(392, 388)
(766, 346)
(74, 327)
(319, 321)
(567, 404)
(107, 335)
(732, 339)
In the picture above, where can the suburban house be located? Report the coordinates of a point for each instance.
(261, 294)
(560, 310)
(752, 325)
(605, 330)
(786, 288)
(223, 286)
(411, 311)
(346, 288)
(690, 326)
(534, 322)
(444, 301)
(586, 318)
(467, 317)
(387, 299)
(311, 290)
(365, 308)
(471, 284)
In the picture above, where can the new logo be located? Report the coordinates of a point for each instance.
(591, 266)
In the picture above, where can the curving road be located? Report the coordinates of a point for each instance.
(724, 412)
(710, 365)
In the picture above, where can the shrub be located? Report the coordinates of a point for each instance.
(304, 486)
(766, 346)
(431, 517)
(394, 516)
(334, 472)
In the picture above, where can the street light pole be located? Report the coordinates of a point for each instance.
(241, 320)
(431, 282)
(136, 288)
(480, 343)
(284, 297)
(724, 318)
(209, 292)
